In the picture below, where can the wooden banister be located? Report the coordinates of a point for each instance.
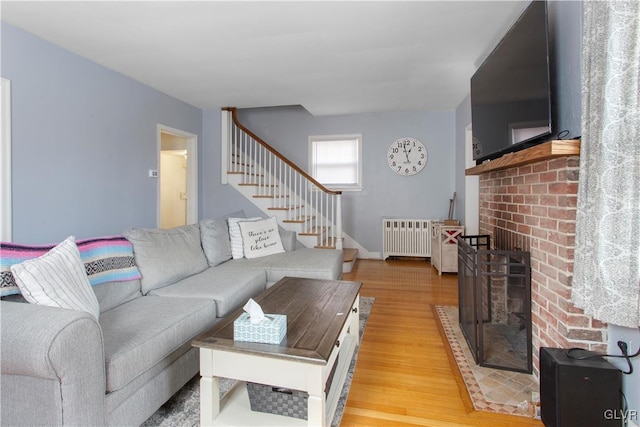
(234, 115)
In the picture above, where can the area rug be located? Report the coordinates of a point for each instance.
(183, 409)
(489, 389)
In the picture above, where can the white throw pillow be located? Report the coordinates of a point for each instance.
(57, 279)
(237, 250)
(260, 238)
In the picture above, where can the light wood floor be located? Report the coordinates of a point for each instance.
(403, 375)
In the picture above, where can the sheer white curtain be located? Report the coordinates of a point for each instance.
(606, 282)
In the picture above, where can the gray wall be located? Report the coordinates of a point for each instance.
(83, 140)
(565, 33)
(385, 194)
(217, 200)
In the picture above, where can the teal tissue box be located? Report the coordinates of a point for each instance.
(271, 330)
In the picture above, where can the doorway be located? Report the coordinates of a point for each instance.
(177, 183)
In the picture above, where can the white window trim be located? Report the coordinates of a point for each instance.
(313, 138)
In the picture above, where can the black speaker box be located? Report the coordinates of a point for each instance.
(578, 392)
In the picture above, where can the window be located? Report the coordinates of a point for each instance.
(335, 161)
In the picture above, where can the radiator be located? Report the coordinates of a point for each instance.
(406, 237)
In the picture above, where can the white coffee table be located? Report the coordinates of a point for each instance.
(322, 323)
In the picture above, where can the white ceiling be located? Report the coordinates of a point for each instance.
(332, 57)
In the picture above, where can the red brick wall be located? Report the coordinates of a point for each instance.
(539, 201)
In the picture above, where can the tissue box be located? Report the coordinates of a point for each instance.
(268, 331)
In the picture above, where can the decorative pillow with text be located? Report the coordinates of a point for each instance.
(260, 238)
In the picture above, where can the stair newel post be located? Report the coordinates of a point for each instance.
(263, 170)
(243, 159)
(257, 166)
(253, 159)
(235, 149)
(295, 202)
(225, 150)
(305, 212)
(271, 182)
(314, 223)
(339, 221)
(280, 183)
(322, 214)
(288, 187)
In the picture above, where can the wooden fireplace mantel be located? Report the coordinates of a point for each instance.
(545, 151)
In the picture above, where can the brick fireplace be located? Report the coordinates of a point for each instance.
(532, 195)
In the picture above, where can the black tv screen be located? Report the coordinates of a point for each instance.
(511, 91)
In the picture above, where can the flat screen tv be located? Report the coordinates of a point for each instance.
(511, 91)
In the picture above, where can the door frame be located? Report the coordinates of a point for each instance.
(6, 223)
(471, 189)
(192, 170)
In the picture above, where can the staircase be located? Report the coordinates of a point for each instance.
(279, 187)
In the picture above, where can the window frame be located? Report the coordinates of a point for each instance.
(313, 139)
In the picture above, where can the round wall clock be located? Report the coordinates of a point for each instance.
(407, 156)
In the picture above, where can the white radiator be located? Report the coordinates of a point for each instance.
(406, 237)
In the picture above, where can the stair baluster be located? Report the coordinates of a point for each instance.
(296, 195)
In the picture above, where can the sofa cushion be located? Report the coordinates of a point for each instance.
(57, 279)
(165, 256)
(305, 262)
(260, 238)
(112, 294)
(288, 238)
(230, 287)
(141, 333)
(214, 234)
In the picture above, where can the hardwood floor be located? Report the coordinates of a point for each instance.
(403, 375)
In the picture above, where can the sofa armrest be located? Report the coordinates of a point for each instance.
(289, 239)
(52, 366)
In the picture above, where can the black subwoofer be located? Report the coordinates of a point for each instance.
(578, 392)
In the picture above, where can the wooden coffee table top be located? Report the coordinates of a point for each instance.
(316, 312)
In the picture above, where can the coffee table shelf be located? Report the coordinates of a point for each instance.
(235, 409)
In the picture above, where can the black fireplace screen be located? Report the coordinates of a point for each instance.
(494, 292)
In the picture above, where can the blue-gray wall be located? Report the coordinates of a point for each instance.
(83, 140)
(385, 194)
(217, 200)
(565, 35)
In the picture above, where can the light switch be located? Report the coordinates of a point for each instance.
(153, 173)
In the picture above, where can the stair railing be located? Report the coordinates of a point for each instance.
(305, 201)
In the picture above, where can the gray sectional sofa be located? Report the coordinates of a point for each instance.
(62, 367)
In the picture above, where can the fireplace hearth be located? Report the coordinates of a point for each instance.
(494, 292)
